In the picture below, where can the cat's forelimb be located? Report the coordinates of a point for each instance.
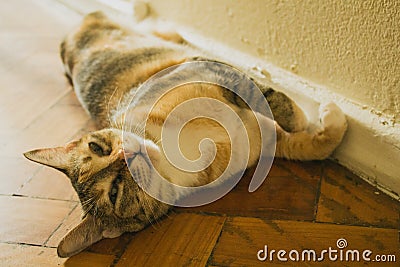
(318, 144)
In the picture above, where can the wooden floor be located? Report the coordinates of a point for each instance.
(300, 206)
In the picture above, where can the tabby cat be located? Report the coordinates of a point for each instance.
(106, 64)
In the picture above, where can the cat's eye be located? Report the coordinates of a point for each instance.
(96, 149)
(113, 193)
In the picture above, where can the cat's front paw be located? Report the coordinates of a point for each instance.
(332, 117)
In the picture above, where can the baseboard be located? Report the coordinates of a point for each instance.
(371, 147)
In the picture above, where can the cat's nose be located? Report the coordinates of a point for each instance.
(121, 153)
(129, 156)
(126, 154)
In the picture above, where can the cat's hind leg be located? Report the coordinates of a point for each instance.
(317, 145)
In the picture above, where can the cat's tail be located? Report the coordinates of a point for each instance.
(317, 145)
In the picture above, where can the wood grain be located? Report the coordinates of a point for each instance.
(242, 238)
(180, 240)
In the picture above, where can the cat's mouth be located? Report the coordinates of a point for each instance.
(138, 156)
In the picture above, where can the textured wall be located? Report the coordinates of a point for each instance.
(351, 47)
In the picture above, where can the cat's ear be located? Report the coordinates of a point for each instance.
(57, 157)
(82, 236)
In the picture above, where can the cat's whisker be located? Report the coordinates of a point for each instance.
(150, 217)
(87, 201)
(87, 210)
(158, 142)
(108, 107)
(139, 129)
(90, 204)
(119, 123)
(156, 219)
(149, 207)
(142, 203)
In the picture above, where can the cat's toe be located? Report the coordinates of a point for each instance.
(331, 116)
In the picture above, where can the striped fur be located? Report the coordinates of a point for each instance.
(106, 64)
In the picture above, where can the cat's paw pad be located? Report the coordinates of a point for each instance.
(331, 116)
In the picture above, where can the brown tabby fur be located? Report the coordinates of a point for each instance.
(106, 64)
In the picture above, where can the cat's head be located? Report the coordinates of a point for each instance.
(112, 201)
